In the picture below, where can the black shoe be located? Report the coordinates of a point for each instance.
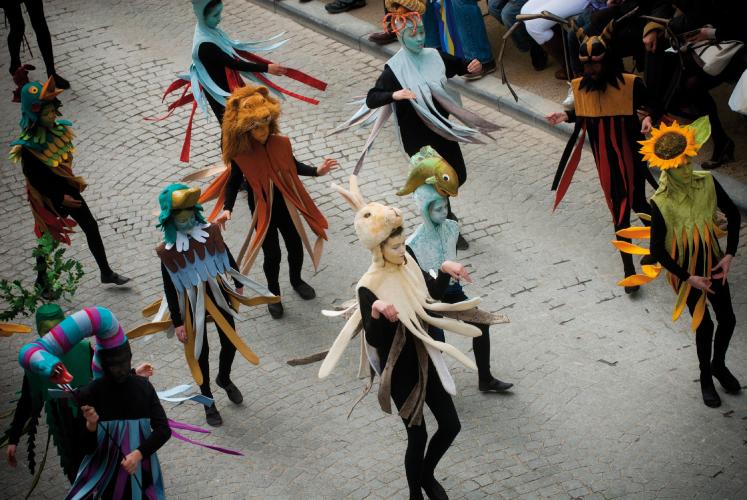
(434, 490)
(720, 156)
(234, 394)
(114, 278)
(212, 416)
(494, 385)
(728, 381)
(632, 289)
(343, 6)
(710, 396)
(538, 56)
(305, 291)
(276, 310)
(382, 37)
(60, 82)
(462, 243)
(487, 68)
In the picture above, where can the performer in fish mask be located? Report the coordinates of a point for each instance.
(413, 85)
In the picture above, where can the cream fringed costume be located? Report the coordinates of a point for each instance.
(410, 363)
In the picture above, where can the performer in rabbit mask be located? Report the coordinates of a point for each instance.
(395, 305)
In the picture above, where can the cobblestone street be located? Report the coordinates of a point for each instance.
(606, 402)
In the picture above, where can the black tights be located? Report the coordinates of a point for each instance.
(35, 9)
(225, 358)
(85, 219)
(419, 463)
(640, 205)
(721, 303)
(280, 222)
(480, 347)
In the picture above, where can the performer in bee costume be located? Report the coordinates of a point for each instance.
(45, 151)
(394, 311)
(413, 85)
(218, 65)
(197, 270)
(125, 422)
(606, 104)
(258, 154)
(434, 242)
(684, 239)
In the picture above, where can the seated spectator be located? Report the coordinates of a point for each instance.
(505, 11)
(545, 32)
(464, 30)
(717, 20)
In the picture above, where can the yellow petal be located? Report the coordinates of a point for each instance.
(699, 312)
(635, 280)
(8, 329)
(635, 232)
(643, 216)
(630, 248)
(652, 271)
(679, 306)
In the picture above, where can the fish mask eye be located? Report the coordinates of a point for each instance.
(446, 178)
(367, 215)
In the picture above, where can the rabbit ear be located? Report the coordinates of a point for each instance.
(352, 196)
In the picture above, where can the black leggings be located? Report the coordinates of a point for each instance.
(419, 463)
(640, 205)
(721, 303)
(87, 222)
(35, 9)
(280, 222)
(225, 358)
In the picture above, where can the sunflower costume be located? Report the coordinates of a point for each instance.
(684, 240)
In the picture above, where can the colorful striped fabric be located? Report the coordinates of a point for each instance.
(41, 356)
(447, 29)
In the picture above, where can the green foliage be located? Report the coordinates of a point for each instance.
(61, 279)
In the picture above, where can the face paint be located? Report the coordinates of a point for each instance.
(438, 211)
(413, 40)
(47, 116)
(682, 175)
(116, 363)
(184, 220)
(212, 18)
(394, 250)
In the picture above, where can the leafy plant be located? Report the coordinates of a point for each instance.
(60, 279)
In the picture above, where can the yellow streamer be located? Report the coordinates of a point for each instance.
(630, 248)
(635, 232)
(221, 322)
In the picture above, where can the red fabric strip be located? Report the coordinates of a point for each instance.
(188, 135)
(294, 74)
(570, 168)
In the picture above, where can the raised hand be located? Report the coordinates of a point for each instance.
(222, 218)
(403, 95)
(388, 310)
(276, 69)
(328, 166)
(723, 268)
(456, 271)
(556, 118)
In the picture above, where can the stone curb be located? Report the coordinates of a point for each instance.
(530, 109)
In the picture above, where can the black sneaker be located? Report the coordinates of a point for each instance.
(212, 416)
(632, 289)
(710, 396)
(114, 278)
(728, 381)
(276, 310)
(339, 6)
(305, 290)
(234, 394)
(494, 385)
(60, 82)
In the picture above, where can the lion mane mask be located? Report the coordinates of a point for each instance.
(251, 114)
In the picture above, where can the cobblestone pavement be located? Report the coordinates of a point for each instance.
(606, 402)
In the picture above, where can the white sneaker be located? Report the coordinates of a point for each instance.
(568, 103)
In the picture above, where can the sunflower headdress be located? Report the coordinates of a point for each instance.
(693, 229)
(672, 146)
